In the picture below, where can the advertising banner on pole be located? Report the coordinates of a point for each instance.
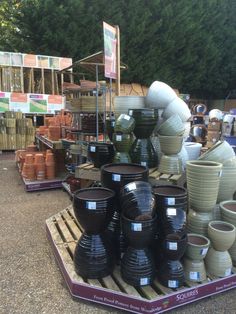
(110, 42)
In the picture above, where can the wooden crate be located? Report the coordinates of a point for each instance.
(63, 232)
(177, 179)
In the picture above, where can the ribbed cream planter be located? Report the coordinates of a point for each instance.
(218, 263)
(203, 178)
(170, 145)
(197, 246)
(227, 181)
(193, 150)
(173, 126)
(194, 270)
(159, 95)
(220, 152)
(222, 235)
(197, 222)
(177, 106)
(170, 164)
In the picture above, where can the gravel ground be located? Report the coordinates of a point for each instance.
(30, 280)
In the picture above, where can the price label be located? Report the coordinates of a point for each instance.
(204, 251)
(170, 201)
(116, 177)
(143, 163)
(173, 283)
(194, 275)
(220, 173)
(91, 205)
(113, 123)
(92, 148)
(119, 138)
(126, 117)
(173, 246)
(144, 281)
(136, 227)
(130, 112)
(171, 211)
(131, 186)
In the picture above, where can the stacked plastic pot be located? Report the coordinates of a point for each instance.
(171, 205)
(142, 150)
(123, 138)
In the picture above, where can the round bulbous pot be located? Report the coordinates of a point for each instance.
(222, 235)
(100, 153)
(145, 121)
(143, 152)
(197, 246)
(218, 263)
(194, 270)
(174, 246)
(171, 273)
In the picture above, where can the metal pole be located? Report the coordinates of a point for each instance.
(110, 94)
(97, 103)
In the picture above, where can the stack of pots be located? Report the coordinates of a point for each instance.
(28, 170)
(193, 261)
(227, 186)
(203, 179)
(142, 150)
(171, 205)
(54, 132)
(94, 255)
(139, 228)
(228, 214)
(115, 176)
(123, 138)
(218, 261)
(170, 134)
(50, 165)
(40, 167)
(100, 153)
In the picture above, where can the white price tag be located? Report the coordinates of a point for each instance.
(173, 284)
(143, 163)
(204, 251)
(92, 148)
(220, 173)
(170, 201)
(144, 281)
(126, 117)
(91, 205)
(116, 177)
(131, 186)
(113, 123)
(136, 226)
(119, 138)
(228, 272)
(194, 275)
(130, 112)
(173, 246)
(171, 211)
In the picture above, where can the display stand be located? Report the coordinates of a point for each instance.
(63, 233)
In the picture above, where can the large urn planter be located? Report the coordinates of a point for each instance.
(100, 153)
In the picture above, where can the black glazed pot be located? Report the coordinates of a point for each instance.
(93, 208)
(173, 221)
(94, 263)
(100, 153)
(115, 176)
(145, 121)
(137, 267)
(137, 201)
(171, 274)
(174, 246)
(143, 152)
(139, 234)
(170, 195)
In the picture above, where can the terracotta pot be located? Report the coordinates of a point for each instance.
(197, 246)
(29, 158)
(49, 158)
(218, 263)
(222, 235)
(39, 158)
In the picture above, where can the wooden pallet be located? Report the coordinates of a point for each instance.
(89, 172)
(63, 232)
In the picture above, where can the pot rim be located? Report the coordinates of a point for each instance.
(107, 166)
(94, 189)
(198, 236)
(223, 208)
(220, 222)
(203, 163)
(139, 221)
(185, 193)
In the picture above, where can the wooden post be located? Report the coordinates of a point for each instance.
(1, 79)
(22, 80)
(42, 81)
(32, 79)
(117, 60)
(62, 82)
(53, 83)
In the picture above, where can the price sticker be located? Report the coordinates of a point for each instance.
(116, 177)
(91, 205)
(119, 138)
(194, 275)
(172, 246)
(93, 149)
(130, 112)
(203, 251)
(136, 227)
(173, 284)
(171, 211)
(143, 163)
(131, 186)
(126, 117)
(228, 272)
(170, 201)
(144, 281)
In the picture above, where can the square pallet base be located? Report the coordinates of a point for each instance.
(63, 232)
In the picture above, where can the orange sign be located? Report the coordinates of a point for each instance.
(65, 63)
(55, 99)
(18, 97)
(30, 61)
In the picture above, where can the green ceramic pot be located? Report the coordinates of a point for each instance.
(125, 124)
(197, 246)
(218, 263)
(222, 235)
(143, 152)
(122, 141)
(194, 270)
(110, 124)
(145, 121)
(121, 157)
(197, 222)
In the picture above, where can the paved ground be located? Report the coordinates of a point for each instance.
(30, 281)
